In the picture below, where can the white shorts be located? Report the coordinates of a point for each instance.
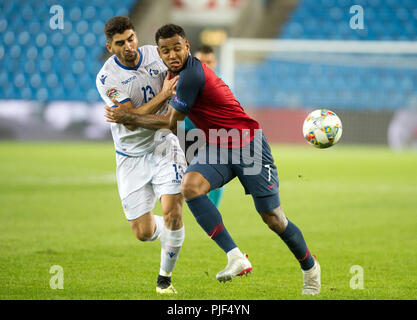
(144, 179)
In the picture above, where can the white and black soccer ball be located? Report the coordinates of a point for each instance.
(322, 128)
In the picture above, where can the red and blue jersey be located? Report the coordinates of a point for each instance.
(210, 104)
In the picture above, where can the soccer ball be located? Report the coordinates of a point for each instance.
(322, 128)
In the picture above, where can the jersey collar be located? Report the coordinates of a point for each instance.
(130, 68)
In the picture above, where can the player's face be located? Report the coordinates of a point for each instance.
(125, 47)
(209, 59)
(174, 52)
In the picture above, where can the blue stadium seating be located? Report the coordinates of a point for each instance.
(279, 82)
(39, 63)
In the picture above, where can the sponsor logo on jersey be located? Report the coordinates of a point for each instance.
(103, 78)
(178, 101)
(128, 80)
(112, 93)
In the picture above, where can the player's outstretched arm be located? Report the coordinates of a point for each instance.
(153, 105)
(150, 121)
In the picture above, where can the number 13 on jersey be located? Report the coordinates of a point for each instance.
(179, 171)
(148, 93)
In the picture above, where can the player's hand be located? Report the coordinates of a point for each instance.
(169, 87)
(122, 113)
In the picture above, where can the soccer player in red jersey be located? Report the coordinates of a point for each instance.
(232, 137)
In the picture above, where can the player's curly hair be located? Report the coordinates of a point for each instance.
(205, 49)
(117, 25)
(168, 31)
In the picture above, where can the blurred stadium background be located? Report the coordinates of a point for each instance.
(355, 203)
(47, 73)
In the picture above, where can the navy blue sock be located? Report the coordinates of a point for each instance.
(294, 239)
(209, 218)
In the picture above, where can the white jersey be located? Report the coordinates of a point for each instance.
(139, 85)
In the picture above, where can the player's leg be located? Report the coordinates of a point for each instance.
(264, 189)
(195, 187)
(147, 227)
(197, 182)
(168, 167)
(137, 196)
(171, 240)
(275, 219)
(294, 239)
(138, 207)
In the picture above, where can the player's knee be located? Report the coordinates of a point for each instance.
(188, 191)
(143, 234)
(275, 220)
(191, 189)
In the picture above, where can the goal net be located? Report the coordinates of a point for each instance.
(368, 83)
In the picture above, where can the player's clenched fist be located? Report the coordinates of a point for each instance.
(119, 114)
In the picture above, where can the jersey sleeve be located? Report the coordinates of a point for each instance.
(190, 85)
(108, 89)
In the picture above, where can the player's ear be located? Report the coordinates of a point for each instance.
(109, 49)
(187, 44)
(214, 62)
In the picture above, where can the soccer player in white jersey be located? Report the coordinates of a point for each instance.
(150, 164)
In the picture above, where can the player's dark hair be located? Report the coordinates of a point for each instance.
(168, 31)
(117, 25)
(205, 49)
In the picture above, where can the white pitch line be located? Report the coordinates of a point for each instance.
(108, 178)
(332, 186)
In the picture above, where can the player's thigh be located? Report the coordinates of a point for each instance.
(132, 173)
(139, 202)
(168, 165)
(194, 184)
(209, 170)
(262, 183)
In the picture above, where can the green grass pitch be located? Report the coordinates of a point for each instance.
(356, 206)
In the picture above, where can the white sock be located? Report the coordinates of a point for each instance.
(170, 249)
(234, 252)
(159, 221)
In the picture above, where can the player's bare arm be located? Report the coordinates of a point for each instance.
(153, 105)
(125, 116)
(167, 92)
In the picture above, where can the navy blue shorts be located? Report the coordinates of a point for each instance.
(252, 164)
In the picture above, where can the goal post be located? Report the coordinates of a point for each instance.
(365, 81)
(233, 46)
